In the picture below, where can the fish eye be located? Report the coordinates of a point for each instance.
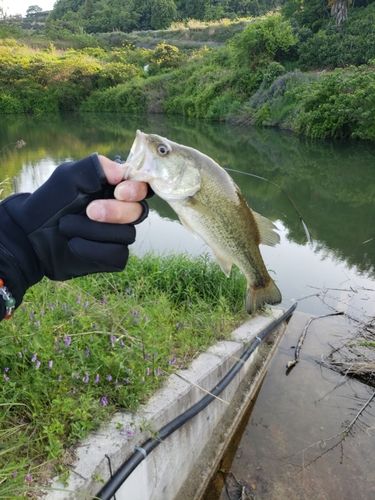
(163, 150)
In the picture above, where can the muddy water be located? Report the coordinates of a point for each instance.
(292, 446)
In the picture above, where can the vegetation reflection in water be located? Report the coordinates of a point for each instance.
(331, 183)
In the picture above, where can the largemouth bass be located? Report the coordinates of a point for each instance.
(210, 204)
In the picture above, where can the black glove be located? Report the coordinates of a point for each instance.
(47, 233)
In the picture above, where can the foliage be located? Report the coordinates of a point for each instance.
(127, 15)
(337, 105)
(217, 9)
(32, 10)
(77, 351)
(265, 39)
(351, 43)
(340, 105)
(47, 81)
(124, 98)
(164, 57)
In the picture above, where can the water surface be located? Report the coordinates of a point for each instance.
(332, 184)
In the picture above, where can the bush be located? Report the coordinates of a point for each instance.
(337, 46)
(164, 57)
(340, 105)
(267, 38)
(10, 104)
(125, 98)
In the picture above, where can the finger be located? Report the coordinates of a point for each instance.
(131, 191)
(79, 225)
(113, 171)
(114, 211)
(106, 257)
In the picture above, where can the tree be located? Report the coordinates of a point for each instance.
(339, 10)
(33, 10)
(163, 13)
(3, 13)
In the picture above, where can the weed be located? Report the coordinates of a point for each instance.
(77, 351)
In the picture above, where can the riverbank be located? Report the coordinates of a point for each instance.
(77, 351)
(269, 72)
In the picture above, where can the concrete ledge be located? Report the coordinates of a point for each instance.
(172, 466)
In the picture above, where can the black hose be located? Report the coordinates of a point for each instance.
(141, 452)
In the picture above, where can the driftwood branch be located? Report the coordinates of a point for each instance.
(291, 364)
(342, 435)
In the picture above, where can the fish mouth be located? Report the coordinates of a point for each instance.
(136, 157)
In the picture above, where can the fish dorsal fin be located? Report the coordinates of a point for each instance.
(267, 233)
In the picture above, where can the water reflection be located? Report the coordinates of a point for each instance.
(331, 183)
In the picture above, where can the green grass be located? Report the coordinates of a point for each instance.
(77, 351)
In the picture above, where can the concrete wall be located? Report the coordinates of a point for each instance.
(179, 466)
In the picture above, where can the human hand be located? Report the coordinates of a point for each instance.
(71, 226)
(124, 208)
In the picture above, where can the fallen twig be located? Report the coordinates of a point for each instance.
(342, 435)
(291, 364)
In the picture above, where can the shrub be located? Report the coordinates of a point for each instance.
(125, 98)
(164, 57)
(336, 46)
(340, 105)
(267, 38)
(10, 104)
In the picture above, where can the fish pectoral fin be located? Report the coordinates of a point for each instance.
(267, 233)
(185, 223)
(224, 263)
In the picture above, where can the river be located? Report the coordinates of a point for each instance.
(284, 449)
(331, 184)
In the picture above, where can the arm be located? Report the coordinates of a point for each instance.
(71, 226)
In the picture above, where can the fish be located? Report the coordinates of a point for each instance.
(210, 204)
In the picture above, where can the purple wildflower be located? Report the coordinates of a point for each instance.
(109, 378)
(6, 369)
(34, 358)
(122, 343)
(6, 378)
(97, 378)
(87, 352)
(14, 473)
(128, 433)
(37, 364)
(113, 340)
(67, 340)
(172, 361)
(50, 364)
(104, 401)
(28, 478)
(86, 378)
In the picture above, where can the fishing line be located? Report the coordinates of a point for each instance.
(305, 228)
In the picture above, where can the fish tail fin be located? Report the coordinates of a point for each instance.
(256, 297)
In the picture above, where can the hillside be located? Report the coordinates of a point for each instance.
(297, 69)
